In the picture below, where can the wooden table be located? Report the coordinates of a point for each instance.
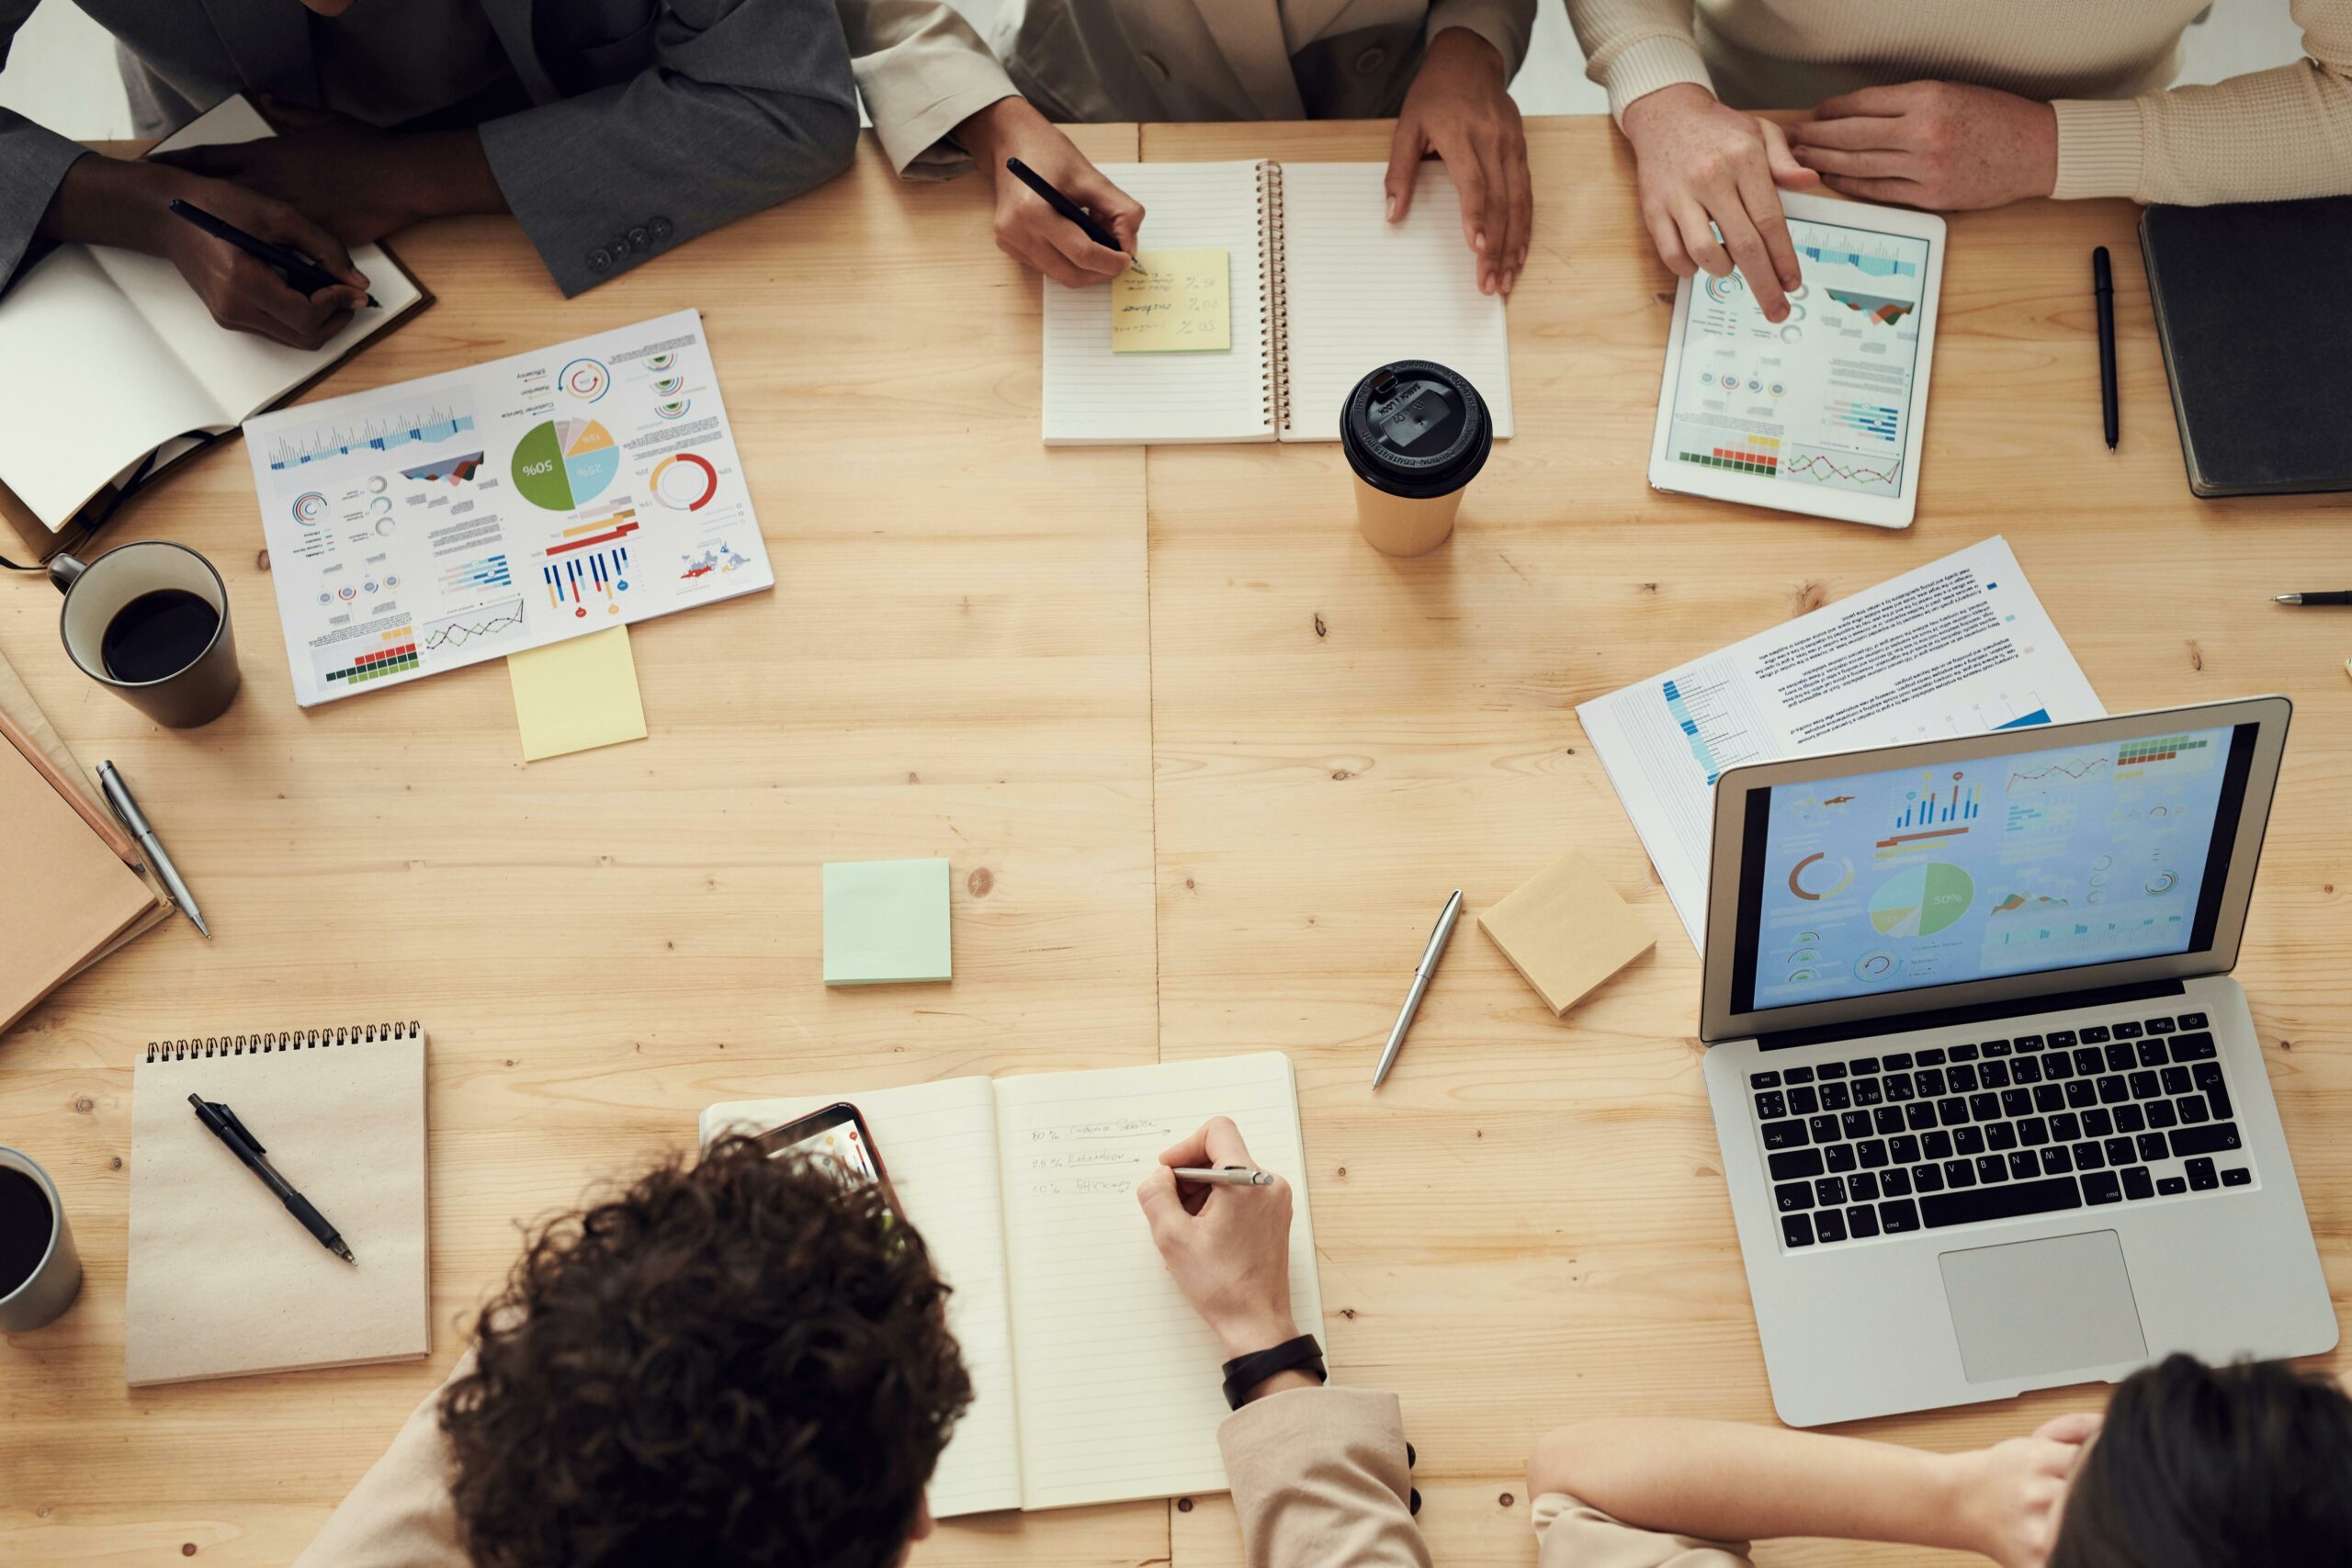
(1205, 766)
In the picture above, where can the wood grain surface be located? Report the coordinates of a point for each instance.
(1205, 766)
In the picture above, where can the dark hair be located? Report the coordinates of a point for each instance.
(2244, 1466)
(740, 1362)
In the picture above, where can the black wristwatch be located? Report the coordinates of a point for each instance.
(1245, 1372)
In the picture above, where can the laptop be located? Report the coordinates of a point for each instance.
(1992, 1112)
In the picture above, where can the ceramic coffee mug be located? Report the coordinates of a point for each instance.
(151, 620)
(40, 1271)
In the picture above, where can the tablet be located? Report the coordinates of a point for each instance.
(1823, 413)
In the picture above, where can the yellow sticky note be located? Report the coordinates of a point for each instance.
(1566, 931)
(576, 695)
(1180, 302)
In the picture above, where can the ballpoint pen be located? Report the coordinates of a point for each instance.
(1071, 210)
(118, 801)
(1223, 1176)
(2328, 598)
(1421, 974)
(222, 1123)
(302, 275)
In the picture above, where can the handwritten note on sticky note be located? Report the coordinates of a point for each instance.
(576, 695)
(1179, 302)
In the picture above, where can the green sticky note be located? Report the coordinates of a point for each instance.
(885, 923)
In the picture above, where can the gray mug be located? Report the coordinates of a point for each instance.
(151, 620)
(41, 1297)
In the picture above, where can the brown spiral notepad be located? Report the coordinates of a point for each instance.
(223, 1280)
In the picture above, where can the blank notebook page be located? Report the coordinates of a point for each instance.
(1093, 395)
(1121, 1385)
(1362, 291)
(938, 1143)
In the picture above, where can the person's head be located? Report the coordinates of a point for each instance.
(2244, 1466)
(737, 1363)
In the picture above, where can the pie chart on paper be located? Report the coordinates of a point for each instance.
(565, 463)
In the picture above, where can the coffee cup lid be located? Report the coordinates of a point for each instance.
(1414, 428)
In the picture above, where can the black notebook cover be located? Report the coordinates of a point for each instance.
(2250, 309)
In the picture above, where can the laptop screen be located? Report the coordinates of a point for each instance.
(1923, 876)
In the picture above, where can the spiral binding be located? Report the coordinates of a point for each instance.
(292, 1039)
(1273, 282)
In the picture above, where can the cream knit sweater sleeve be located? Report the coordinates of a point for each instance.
(2266, 136)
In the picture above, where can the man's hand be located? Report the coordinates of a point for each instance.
(2009, 1498)
(1458, 108)
(1942, 145)
(105, 201)
(1027, 229)
(1227, 1247)
(1705, 168)
(359, 182)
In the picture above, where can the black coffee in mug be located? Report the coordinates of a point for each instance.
(24, 1226)
(157, 635)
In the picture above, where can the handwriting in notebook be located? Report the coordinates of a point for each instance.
(1180, 302)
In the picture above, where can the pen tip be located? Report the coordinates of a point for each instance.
(345, 1253)
(203, 930)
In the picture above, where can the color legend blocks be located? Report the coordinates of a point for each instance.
(1756, 455)
(395, 654)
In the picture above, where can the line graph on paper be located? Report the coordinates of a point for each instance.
(491, 624)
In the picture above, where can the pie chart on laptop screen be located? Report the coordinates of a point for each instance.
(1922, 900)
(565, 463)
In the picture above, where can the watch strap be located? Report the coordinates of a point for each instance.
(1245, 1372)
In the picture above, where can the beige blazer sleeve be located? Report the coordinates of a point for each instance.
(1570, 1535)
(2277, 135)
(1320, 1481)
(922, 71)
(400, 1514)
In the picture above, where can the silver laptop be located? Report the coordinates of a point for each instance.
(1992, 1112)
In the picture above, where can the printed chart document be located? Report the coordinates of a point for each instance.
(469, 515)
(1958, 647)
(1092, 1379)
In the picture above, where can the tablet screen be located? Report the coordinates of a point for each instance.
(1824, 400)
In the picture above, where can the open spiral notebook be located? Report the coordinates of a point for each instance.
(1324, 288)
(223, 1280)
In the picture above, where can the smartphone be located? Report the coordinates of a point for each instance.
(836, 1138)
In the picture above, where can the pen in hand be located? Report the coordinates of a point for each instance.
(1070, 209)
(1223, 1176)
(222, 1123)
(303, 274)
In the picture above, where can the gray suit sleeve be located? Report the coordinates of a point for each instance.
(32, 161)
(748, 103)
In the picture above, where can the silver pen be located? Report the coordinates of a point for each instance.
(1430, 955)
(1223, 1176)
(118, 801)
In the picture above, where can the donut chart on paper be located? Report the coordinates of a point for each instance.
(684, 481)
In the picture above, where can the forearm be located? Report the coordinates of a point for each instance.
(444, 173)
(1730, 1481)
(1636, 46)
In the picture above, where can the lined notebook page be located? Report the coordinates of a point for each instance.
(1121, 1385)
(938, 1141)
(223, 1280)
(1363, 291)
(1094, 396)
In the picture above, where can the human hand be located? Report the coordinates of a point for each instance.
(1027, 229)
(1944, 145)
(359, 182)
(1704, 168)
(1458, 107)
(2012, 1496)
(1228, 1248)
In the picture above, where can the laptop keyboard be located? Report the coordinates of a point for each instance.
(1906, 1141)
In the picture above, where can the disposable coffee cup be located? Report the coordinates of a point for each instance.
(40, 1271)
(1416, 433)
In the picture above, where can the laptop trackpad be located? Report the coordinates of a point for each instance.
(2035, 1307)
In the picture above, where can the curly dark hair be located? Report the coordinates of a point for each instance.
(2242, 1466)
(742, 1361)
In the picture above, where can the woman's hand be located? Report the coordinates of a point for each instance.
(1458, 108)
(1942, 145)
(1706, 170)
(1228, 1248)
(1027, 229)
(2011, 1495)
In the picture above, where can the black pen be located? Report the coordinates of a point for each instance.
(2103, 290)
(305, 276)
(1068, 208)
(223, 1124)
(2331, 598)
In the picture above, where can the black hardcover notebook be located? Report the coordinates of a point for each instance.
(2249, 302)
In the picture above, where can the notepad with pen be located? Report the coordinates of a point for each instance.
(224, 1280)
(1323, 288)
